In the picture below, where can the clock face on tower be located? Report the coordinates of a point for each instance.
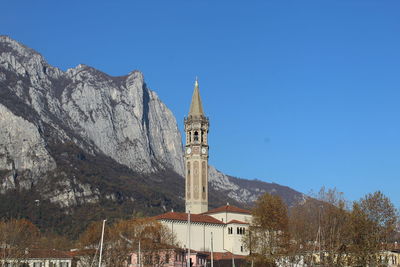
(188, 150)
(204, 150)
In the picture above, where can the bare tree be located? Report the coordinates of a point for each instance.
(318, 227)
(123, 237)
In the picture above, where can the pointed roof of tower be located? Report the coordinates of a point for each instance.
(196, 108)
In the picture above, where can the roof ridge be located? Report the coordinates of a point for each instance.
(182, 216)
(227, 208)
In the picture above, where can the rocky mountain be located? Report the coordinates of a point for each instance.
(80, 139)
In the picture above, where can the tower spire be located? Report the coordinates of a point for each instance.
(196, 156)
(196, 108)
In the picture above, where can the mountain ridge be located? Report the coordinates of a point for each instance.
(82, 137)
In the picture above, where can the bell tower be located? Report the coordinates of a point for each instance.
(196, 156)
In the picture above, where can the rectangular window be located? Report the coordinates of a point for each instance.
(64, 264)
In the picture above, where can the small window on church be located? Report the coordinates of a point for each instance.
(196, 136)
(241, 248)
(201, 136)
(204, 189)
(190, 137)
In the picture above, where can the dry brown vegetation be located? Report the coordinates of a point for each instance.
(322, 230)
(123, 237)
(120, 240)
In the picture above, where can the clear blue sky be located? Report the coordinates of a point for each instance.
(301, 93)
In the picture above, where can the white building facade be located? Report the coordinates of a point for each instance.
(210, 227)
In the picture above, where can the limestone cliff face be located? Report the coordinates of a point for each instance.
(119, 117)
(123, 118)
(22, 150)
(79, 136)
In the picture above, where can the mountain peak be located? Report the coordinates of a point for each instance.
(83, 137)
(7, 44)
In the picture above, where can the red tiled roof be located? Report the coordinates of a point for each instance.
(181, 216)
(223, 256)
(48, 253)
(82, 252)
(237, 222)
(42, 254)
(227, 208)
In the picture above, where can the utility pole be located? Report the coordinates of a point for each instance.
(139, 259)
(212, 251)
(101, 243)
(233, 260)
(188, 260)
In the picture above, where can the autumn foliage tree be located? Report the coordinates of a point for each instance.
(17, 236)
(268, 235)
(340, 236)
(372, 223)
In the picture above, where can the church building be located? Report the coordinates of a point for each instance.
(222, 228)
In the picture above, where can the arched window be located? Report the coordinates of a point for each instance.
(196, 136)
(190, 137)
(230, 230)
